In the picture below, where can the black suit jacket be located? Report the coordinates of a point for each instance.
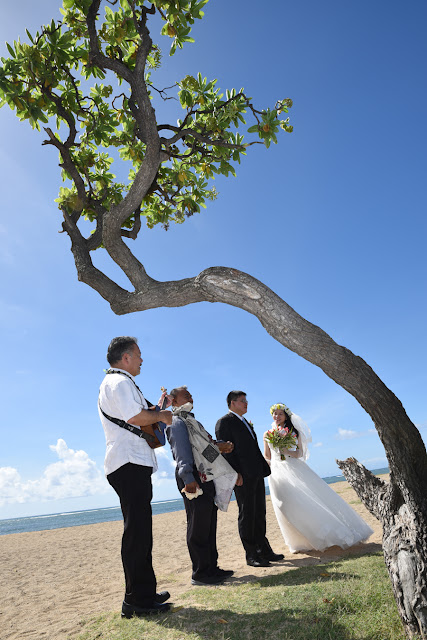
(246, 457)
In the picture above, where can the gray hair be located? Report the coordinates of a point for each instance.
(176, 391)
(118, 347)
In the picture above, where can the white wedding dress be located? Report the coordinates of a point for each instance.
(311, 516)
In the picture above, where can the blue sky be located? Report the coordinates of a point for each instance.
(332, 219)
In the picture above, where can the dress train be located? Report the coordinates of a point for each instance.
(311, 516)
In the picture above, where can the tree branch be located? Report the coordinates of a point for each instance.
(69, 166)
(146, 123)
(182, 133)
(86, 271)
(96, 57)
(374, 492)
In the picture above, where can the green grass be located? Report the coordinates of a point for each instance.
(346, 600)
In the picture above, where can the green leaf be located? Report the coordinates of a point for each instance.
(11, 51)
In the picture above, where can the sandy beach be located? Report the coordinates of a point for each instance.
(52, 581)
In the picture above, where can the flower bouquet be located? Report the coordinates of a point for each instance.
(282, 439)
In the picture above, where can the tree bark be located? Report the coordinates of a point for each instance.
(404, 541)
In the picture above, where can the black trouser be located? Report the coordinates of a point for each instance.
(251, 501)
(132, 483)
(201, 530)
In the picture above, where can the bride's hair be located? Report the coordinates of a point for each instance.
(288, 423)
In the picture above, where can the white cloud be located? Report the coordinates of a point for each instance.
(346, 434)
(9, 480)
(349, 434)
(317, 444)
(75, 475)
(165, 473)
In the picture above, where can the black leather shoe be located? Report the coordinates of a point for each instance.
(257, 562)
(208, 581)
(273, 557)
(162, 596)
(129, 610)
(224, 573)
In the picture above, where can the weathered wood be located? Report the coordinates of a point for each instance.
(404, 542)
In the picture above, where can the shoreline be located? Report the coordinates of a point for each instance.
(54, 579)
(78, 517)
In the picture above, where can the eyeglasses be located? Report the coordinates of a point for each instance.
(242, 401)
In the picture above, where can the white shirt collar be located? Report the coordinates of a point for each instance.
(236, 414)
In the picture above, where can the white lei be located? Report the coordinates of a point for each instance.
(209, 462)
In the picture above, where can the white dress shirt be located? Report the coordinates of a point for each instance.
(120, 398)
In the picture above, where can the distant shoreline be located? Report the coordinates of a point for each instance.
(50, 521)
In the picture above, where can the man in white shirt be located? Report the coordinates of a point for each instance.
(129, 463)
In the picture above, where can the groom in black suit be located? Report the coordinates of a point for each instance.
(247, 459)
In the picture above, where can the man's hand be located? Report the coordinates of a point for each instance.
(168, 400)
(239, 480)
(166, 417)
(191, 487)
(225, 447)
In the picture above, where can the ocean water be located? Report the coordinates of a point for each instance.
(106, 514)
(77, 518)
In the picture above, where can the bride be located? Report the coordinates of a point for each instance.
(310, 514)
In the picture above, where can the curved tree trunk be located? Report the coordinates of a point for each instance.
(404, 542)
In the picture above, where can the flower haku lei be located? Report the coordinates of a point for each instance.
(282, 439)
(283, 407)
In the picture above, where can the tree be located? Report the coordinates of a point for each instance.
(89, 82)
